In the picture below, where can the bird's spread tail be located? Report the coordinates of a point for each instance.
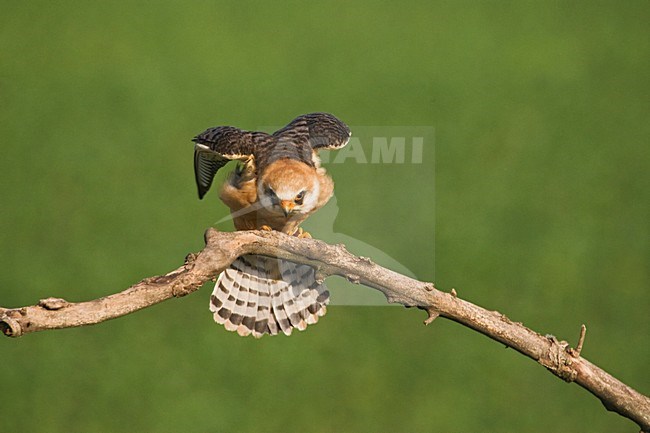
(261, 295)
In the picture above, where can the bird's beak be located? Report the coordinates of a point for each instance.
(287, 207)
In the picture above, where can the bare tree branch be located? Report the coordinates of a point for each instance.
(223, 248)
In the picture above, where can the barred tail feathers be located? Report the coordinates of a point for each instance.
(261, 295)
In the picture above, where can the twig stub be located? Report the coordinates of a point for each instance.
(581, 340)
(223, 248)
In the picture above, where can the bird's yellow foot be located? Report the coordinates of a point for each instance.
(266, 228)
(302, 234)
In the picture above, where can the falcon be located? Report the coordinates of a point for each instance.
(277, 184)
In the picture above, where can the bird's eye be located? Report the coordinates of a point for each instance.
(300, 197)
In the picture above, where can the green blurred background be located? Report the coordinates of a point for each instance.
(540, 208)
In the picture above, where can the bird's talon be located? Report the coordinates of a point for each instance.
(266, 228)
(302, 234)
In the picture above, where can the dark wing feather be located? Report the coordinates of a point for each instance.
(215, 147)
(320, 130)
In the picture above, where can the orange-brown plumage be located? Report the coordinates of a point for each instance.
(278, 185)
(244, 194)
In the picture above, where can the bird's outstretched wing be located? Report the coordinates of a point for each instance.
(319, 130)
(215, 147)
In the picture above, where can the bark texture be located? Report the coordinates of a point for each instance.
(223, 248)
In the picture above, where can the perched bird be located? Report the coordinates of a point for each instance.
(277, 185)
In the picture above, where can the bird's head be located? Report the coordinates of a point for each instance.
(288, 187)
